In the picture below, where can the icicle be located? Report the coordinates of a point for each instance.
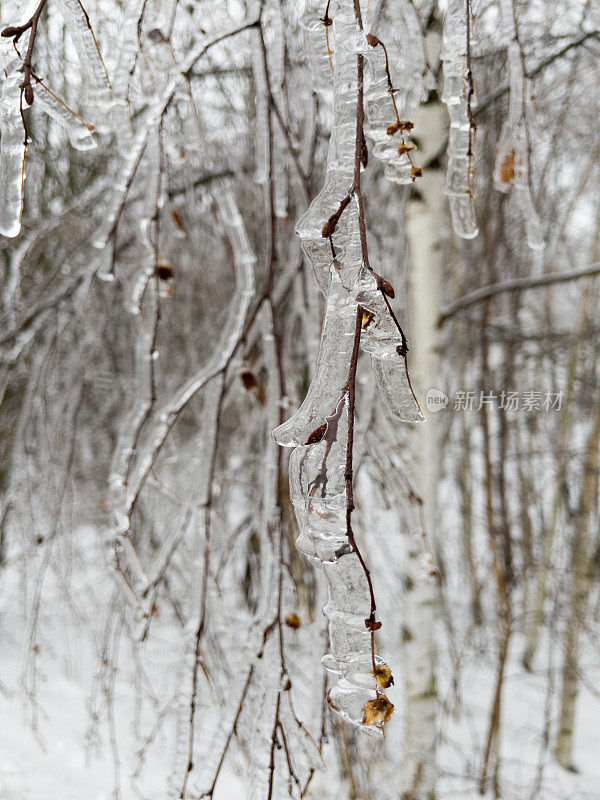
(458, 95)
(385, 110)
(12, 151)
(129, 46)
(512, 168)
(382, 339)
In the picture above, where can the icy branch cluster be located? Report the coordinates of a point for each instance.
(512, 168)
(319, 430)
(109, 113)
(457, 95)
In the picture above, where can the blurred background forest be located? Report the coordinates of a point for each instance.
(161, 634)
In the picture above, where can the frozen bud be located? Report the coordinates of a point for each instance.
(164, 272)
(317, 434)
(293, 621)
(178, 220)
(387, 288)
(429, 565)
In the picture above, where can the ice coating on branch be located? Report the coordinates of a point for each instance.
(319, 54)
(79, 133)
(457, 95)
(383, 339)
(340, 155)
(386, 109)
(331, 372)
(512, 168)
(12, 150)
(99, 94)
(356, 306)
(162, 419)
(317, 492)
(261, 121)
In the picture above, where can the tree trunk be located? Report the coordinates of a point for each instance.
(421, 602)
(581, 569)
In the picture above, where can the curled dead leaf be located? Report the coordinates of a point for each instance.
(383, 676)
(406, 147)
(377, 712)
(367, 318)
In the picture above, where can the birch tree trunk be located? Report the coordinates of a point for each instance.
(581, 575)
(421, 601)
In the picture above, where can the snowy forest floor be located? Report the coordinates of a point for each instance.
(53, 765)
(71, 757)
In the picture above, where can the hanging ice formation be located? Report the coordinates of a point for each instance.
(397, 70)
(458, 96)
(12, 149)
(319, 429)
(512, 167)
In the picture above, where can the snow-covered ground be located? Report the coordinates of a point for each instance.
(55, 764)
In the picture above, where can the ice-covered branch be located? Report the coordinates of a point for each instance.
(396, 86)
(512, 168)
(12, 149)
(458, 96)
(358, 310)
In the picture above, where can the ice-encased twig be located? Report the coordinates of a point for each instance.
(261, 121)
(331, 372)
(340, 155)
(512, 167)
(320, 491)
(387, 106)
(99, 95)
(12, 150)
(79, 132)
(318, 43)
(458, 95)
(317, 492)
